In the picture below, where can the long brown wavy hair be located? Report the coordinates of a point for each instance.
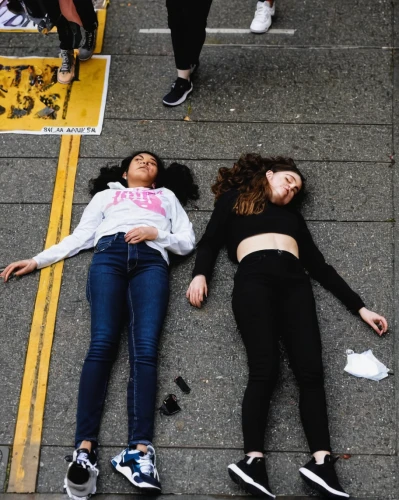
(248, 176)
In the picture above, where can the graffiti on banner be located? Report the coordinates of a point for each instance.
(33, 102)
(12, 22)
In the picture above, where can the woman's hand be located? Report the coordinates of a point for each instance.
(197, 291)
(139, 234)
(19, 268)
(377, 322)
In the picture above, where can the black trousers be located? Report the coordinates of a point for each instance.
(69, 33)
(187, 23)
(273, 297)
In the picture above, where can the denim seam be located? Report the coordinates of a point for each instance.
(134, 352)
(88, 291)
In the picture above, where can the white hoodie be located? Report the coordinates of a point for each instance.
(119, 209)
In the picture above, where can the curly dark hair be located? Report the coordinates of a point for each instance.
(248, 176)
(177, 177)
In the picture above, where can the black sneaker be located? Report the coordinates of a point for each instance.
(250, 474)
(89, 42)
(81, 477)
(323, 477)
(178, 93)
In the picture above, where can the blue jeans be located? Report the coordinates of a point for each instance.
(123, 278)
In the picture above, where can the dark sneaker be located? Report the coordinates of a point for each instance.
(139, 468)
(250, 474)
(66, 72)
(89, 42)
(178, 93)
(81, 477)
(323, 477)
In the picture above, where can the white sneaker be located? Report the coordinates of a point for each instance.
(263, 17)
(81, 478)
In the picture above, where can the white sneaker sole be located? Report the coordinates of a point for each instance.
(248, 480)
(126, 471)
(316, 480)
(181, 100)
(74, 497)
(263, 30)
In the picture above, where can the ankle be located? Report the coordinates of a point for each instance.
(86, 445)
(142, 447)
(319, 456)
(183, 73)
(257, 454)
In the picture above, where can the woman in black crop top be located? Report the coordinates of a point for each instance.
(254, 217)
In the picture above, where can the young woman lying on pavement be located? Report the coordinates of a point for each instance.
(132, 222)
(255, 218)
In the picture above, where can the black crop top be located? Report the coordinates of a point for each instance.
(227, 228)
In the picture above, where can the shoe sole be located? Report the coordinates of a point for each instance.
(247, 483)
(260, 31)
(86, 58)
(180, 101)
(318, 484)
(69, 81)
(75, 497)
(148, 488)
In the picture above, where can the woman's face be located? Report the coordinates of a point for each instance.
(284, 186)
(142, 172)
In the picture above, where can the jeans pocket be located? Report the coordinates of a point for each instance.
(104, 243)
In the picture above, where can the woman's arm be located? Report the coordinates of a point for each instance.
(181, 239)
(208, 248)
(82, 238)
(314, 261)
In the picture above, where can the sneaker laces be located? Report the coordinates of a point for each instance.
(66, 61)
(146, 465)
(89, 39)
(83, 460)
(261, 12)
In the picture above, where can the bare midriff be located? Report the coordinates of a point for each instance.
(267, 241)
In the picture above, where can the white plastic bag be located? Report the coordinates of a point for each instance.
(365, 365)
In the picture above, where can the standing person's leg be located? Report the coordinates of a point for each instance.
(301, 337)
(201, 13)
(69, 35)
(253, 307)
(148, 298)
(89, 23)
(82, 13)
(187, 22)
(262, 20)
(106, 291)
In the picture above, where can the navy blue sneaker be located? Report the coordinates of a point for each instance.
(323, 478)
(139, 468)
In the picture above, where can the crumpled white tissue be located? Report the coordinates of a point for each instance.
(365, 365)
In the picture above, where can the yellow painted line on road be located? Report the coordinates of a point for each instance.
(28, 432)
(102, 19)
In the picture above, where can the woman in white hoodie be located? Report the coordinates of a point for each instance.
(132, 222)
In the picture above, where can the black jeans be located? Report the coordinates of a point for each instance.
(68, 33)
(273, 297)
(187, 23)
